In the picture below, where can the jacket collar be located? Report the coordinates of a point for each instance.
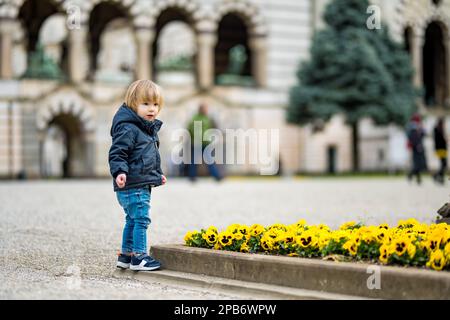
(152, 127)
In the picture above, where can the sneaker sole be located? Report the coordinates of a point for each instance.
(139, 268)
(122, 265)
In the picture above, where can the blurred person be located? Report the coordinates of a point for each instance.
(440, 147)
(135, 165)
(199, 142)
(55, 152)
(415, 134)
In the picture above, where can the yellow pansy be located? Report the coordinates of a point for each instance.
(407, 223)
(323, 227)
(277, 226)
(212, 229)
(399, 246)
(300, 223)
(384, 226)
(244, 229)
(256, 229)
(299, 226)
(422, 245)
(188, 236)
(210, 236)
(347, 225)
(238, 236)
(439, 226)
(380, 234)
(411, 236)
(292, 228)
(384, 254)
(420, 229)
(273, 233)
(324, 239)
(368, 234)
(411, 249)
(267, 242)
(244, 247)
(447, 251)
(351, 246)
(356, 238)
(225, 238)
(306, 239)
(233, 228)
(437, 260)
(338, 235)
(287, 237)
(433, 242)
(445, 238)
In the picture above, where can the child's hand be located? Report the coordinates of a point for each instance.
(164, 179)
(121, 179)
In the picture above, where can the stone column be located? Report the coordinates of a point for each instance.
(91, 154)
(40, 136)
(144, 38)
(417, 44)
(78, 54)
(258, 46)
(7, 27)
(206, 42)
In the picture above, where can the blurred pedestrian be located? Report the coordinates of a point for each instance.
(440, 148)
(416, 133)
(199, 142)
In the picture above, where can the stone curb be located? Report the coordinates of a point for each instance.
(242, 289)
(342, 278)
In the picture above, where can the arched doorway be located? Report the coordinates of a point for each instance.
(112, 44)
(173, 48)
(435, 66)
(233, 57)
(43, 22)
(332, 159)
(65, 149)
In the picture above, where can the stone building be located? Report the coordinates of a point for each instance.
(65, 66)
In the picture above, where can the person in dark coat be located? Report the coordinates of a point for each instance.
(440, 148)
(415, 134)
(135, 165)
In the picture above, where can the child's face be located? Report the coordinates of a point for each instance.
(148, 110)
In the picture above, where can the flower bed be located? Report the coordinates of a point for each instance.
(410, 243)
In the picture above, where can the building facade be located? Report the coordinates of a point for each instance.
(65, 66)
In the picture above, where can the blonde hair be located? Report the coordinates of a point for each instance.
(142, 91)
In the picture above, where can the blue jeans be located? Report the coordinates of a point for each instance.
(136, 204)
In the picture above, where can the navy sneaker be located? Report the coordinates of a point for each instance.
(123, 261)
(144, 263)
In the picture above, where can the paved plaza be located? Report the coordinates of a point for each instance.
(58, 239)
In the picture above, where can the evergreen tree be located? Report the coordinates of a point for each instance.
(353, 71)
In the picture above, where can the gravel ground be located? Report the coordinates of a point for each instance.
(58, 239)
